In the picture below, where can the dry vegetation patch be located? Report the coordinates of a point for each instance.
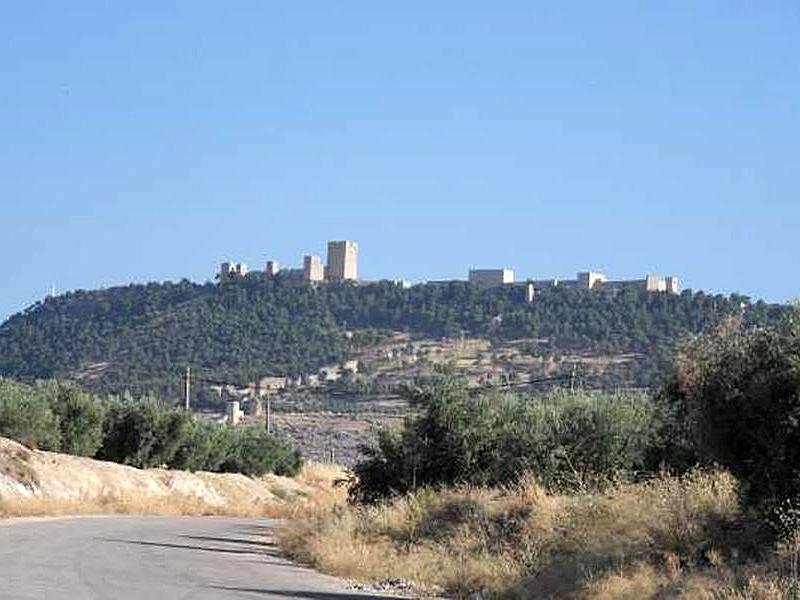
(667, 538)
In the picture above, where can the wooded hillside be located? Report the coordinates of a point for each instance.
(140, 338)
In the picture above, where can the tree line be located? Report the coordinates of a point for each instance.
(142, 432)
(140, 338)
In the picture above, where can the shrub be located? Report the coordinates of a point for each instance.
(206, 447)
(740, 392)
(146, 434)
(140, 433)
(250, 450)
(143, 433)
(255, 452)
(568, 440)
(80, 419)
(26, 416)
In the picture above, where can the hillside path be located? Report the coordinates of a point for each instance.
(154, 558)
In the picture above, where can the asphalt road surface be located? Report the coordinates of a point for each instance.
(153, 558)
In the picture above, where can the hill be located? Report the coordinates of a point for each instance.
(140, 338)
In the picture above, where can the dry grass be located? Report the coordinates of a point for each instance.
(173, 505)
(322, 489)
(322, 476)
(272, 502)
(669, 538)
(34, 483)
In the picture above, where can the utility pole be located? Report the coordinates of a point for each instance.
(331, 449)
(572, 376)
(414, 468)
(188, 387)
(269, 411)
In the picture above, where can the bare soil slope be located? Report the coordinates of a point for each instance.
(34, 482)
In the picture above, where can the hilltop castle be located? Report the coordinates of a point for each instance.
(342, 265)
(588, 280)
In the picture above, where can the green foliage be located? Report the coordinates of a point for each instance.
(205, 447)
(141, 433)
(568, 440)
(26, 416)
(144, 434)
(255, 452)
(740, 393)
(140, 338)
(80, 419)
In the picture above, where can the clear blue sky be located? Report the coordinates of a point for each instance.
(150, 140)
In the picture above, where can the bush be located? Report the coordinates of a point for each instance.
(143, 433)
(26, 416)
(207, 445)
(740, 393)
(251, 451)
(140, 433)
(255, 452)
(567, 440)
(80, 419)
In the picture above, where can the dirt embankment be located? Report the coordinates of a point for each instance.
(34, 482)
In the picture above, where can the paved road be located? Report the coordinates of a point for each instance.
(153, 558)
